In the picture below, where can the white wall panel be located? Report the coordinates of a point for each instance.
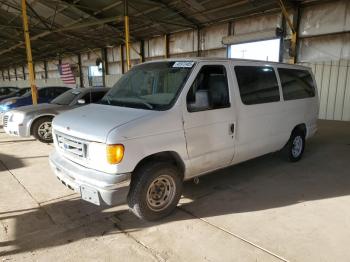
(183, 42)
(261, 23)
(324, 48)
(333, 82)
(155, 47)
(325, 18)
(211, 37)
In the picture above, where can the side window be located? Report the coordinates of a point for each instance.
(209, 90)
(59, 91)
(4, 91)
(96, 96)
(87, 98)
(296, 84)
(257, 84)
(43, 93)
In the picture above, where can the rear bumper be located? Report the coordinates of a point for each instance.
(112, 188)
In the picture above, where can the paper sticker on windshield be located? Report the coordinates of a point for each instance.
(183, 64)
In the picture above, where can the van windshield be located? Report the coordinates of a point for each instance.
(152, 86)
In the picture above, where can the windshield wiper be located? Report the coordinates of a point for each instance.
(108, 99)
(143, 102)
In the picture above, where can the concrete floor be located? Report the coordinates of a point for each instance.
(261, 210)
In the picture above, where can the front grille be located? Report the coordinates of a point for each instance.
(5, 120)
(71, 145)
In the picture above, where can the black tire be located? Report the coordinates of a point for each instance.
(295, 147)
(38, 129)
(144, 194)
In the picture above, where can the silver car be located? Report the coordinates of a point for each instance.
(36, 120)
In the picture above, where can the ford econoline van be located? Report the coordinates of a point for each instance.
(168, 121)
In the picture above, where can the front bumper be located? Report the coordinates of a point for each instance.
(16, 129)
(1, 116)
(112, 188)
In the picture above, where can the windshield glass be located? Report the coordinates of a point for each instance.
(66, 98)
(153, 86)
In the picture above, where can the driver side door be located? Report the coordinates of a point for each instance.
(209, 129)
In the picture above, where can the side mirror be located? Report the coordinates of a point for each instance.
(201, 101)
(81, 101)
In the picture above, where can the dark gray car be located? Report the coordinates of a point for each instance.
(36, 119)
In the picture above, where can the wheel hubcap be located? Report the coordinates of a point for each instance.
(297, 146)
(45, 131)
(161, 193)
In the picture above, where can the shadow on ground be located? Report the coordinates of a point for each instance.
(5, 160)
(263, 183)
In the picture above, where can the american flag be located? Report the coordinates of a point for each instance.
(66, 73)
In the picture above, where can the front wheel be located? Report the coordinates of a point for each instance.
(295, 146)
(42, 129)
(155, 191)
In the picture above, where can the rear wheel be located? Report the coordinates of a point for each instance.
(295, 146)
(155, 191)
(42, 129)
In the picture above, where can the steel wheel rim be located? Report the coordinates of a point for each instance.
(297, 146)
(45, 130)
(161, 193)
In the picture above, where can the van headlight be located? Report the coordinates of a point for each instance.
(115, 153)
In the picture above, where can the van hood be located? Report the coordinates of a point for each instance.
(95, 121)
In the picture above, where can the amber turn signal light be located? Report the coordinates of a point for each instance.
(115, 153)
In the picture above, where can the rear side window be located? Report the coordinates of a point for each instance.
(296, 84)
(257, 84)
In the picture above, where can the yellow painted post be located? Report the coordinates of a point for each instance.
(127, 34)
(293, 40)
(29, 53)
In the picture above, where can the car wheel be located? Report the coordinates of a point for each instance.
(295, 146)
(155, 191)
(42, 129)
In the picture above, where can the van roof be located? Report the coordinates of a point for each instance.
(235, 60)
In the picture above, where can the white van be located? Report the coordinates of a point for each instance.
(168, 121)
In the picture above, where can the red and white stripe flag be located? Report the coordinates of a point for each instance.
(66, 74)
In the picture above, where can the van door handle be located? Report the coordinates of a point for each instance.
(232, 128)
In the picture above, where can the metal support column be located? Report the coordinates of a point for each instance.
(166, 46)
(127, 34)
(29, 53)
(8, 74)
(105, 60)
(16, 74)
(81, 76)
(24, 72)
(122, 59)
(198, 42)
(45, 69)
(142, 51)
(2, 73)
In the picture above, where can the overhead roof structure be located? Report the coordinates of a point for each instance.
(71, 26)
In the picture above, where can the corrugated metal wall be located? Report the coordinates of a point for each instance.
(333, 81)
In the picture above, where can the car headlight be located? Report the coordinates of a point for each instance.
(18, 118)
(4, 108)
